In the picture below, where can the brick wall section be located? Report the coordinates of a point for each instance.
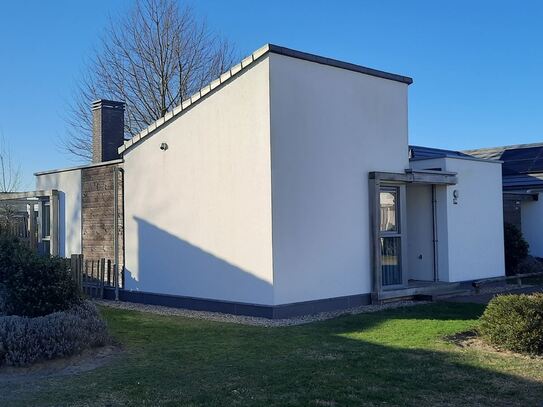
(97, 213)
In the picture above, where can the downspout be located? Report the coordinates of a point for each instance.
(434, 233)
(116, 229)
(121, 170)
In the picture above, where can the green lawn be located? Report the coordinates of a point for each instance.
(395, 357)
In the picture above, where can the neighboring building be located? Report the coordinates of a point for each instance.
(285, 187)
(522, 175)
(86, 193)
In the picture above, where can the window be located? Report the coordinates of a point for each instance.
(390, 236)
(46, 220)
(389, 209)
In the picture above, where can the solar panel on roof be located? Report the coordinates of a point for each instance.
(522, 160)
(537, 165)
(516, 167)
(521, 154)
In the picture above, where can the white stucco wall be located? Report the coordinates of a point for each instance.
(532, 225)
(329, 128)
(470, 233)
(475, 224)
(198, 216)
(68, 183)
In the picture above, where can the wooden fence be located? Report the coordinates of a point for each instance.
(91, 276)
(18, 226)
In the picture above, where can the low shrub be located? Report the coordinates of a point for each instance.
(34, 285)
(24, 340)
(2, 301)
(530, 265)
(514, 322)
(516, 248)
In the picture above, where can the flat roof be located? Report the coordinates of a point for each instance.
(420, 153)
(79, 167)
(242, 66)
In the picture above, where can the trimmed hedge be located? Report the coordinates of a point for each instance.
(24, 341)
(515, 323)
(34, 285)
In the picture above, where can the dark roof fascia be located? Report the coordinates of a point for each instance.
(486, 160)
(338, 64)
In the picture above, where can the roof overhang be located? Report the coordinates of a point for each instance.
(528, 195)
(80, 167)
(12, 196)
(411, 176)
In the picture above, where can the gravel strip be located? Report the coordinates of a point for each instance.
(254, 321)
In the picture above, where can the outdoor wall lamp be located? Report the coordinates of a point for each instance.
(455, 196)
(163, 146)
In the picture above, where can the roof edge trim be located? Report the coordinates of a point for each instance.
(79, 167)
(338, 64)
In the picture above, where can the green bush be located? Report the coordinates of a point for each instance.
(34, 285)
(516, 248)
(514, 322)
(24, 341)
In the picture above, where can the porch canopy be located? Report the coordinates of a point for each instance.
(33, 197)
(378, 180)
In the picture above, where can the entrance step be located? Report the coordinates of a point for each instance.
(444, 295)
(431, 292)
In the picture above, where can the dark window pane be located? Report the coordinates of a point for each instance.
(46, 221)
(391, 266)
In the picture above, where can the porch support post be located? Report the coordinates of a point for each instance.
(375, 215)
(32, 227)
(54, 238)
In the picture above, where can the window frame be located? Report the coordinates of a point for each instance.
(399, 233)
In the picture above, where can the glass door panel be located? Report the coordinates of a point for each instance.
(390, 235)
(391, 264)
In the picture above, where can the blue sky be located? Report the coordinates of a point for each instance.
(477, 65)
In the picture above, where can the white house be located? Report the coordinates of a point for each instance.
(286, 187)
(522, 181)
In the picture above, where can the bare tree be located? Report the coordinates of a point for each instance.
(10, 181)
(10, 172)
(152, 59)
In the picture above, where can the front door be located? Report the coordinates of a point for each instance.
(391, 236)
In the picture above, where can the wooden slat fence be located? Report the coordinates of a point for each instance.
(17, 226)
(92, 276)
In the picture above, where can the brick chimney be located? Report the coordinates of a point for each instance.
(107, 129)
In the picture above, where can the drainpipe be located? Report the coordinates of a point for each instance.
(434, 233)
(116, 229)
